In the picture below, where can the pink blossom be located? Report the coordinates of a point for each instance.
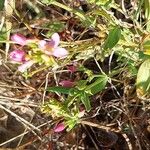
(19, 39)
(17, 55)
(66, 83)
(55, 39)
(25, 66)
(59, 127)
(60, 52)
(51, 47)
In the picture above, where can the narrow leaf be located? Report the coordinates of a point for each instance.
(81, 84)
(86, 101)
(113, 38)
(143, 78)
(98, 85)
(1, 5)
(147, 13)
(59, 89)
(146, 47)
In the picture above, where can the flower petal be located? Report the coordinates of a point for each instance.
(66, 83)
(42, 44)
(19, 39)
(56, 39)
(60, 52)
(46, 46)
(25, 66)
(59, 127)
(17, 55)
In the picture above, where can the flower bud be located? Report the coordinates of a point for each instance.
(19, 39)
(66, 83)
(59, 127)
(17, 55)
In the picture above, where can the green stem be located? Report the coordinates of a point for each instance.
(34, 72)
(6, 41)
(78, 13)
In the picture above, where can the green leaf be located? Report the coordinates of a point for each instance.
(81, 14)
(101, 2)
(59, 89)
(103, 13)
(55, 26)
(81, 84)
(1, 4)
(86, 101)
(143, 79)
(146, 45)
(113, 38)
(147, 13)
(98, 85)
(70, 124)
(132, 70)
(47, 2)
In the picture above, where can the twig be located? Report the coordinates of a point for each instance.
(13, 99)
(128, 141)
(2, 22)
(97, 148)
(24, 135)
(20, 101)
(14, 87)
(46, 84)
(9, 6)
(20, 119)
(14, 138)
(98, 126)
(110, 60)
(99, 66)
(8, 103)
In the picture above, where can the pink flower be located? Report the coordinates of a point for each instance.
(17, 55)
(59, 127)
(19, 39)
(25, 66)
(66, 83)
(51, 47)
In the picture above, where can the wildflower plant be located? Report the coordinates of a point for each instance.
(112, 39)
(61, 110)
(76, 96)
(115, 37)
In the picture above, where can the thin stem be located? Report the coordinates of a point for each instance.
(79, 14)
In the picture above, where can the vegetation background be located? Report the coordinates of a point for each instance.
(92, 91)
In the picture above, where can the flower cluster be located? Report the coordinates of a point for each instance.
(36, 51)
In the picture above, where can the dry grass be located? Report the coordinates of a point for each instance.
(119, 119)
